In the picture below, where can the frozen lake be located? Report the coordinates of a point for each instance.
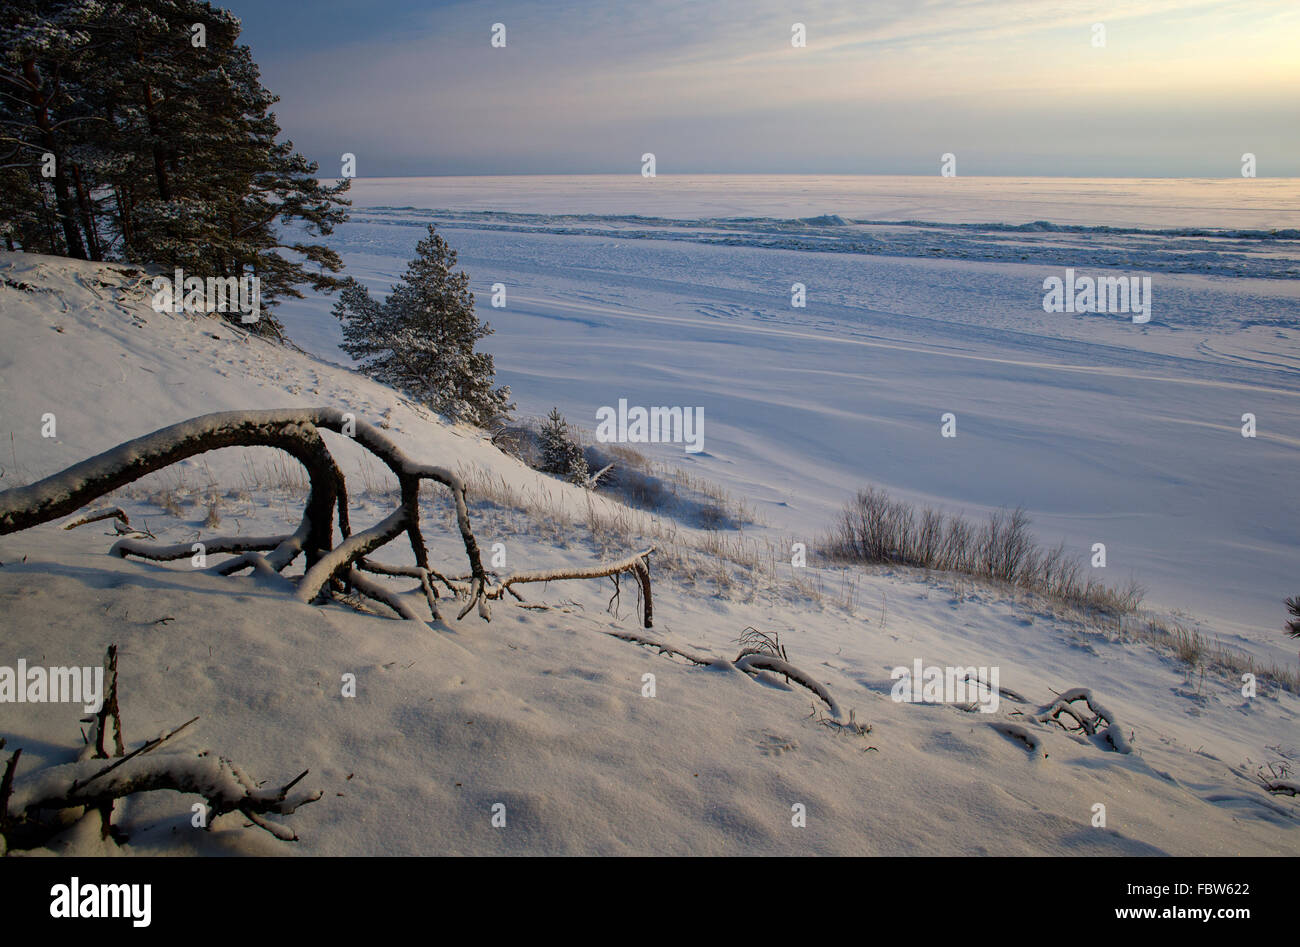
(677, 292)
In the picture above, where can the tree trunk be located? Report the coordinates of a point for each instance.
(87, 215)
(159, 155)
(41, 114)
(63, 493)
(124, 220)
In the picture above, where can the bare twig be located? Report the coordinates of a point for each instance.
(139, 751)
(111, 514)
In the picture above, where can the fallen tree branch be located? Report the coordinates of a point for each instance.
(222, 784)
(90, 784)
(1090, 723)
(376, 591)
(290, 431)
(148, 746)
(112, 514)
(296, 432)
(339, 560)
(424, 575)
(637, 564)
(749, 662)
(1287, 786)
(663, 647)
(214, 545)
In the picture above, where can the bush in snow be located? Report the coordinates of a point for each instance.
(561, 454)
(874, 527)
(421, 338)
(1293, 626)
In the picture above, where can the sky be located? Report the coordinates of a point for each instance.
(1179, 88)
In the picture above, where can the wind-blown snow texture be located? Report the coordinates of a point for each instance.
(1107, 431)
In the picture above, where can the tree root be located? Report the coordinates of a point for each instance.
(115, 513)
(1089, 722)
(328, 567)
(638, 564)
(663, 648)
(750, 662)
(26, 805)
(1013, 731)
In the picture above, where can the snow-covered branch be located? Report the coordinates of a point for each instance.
(95, 781)
(1096, 721)
(222, 784)
(297, 432)
(749, 662)
(292, 431)
(637, 564)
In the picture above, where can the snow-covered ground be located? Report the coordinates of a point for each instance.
(543, 710)
(677, 291)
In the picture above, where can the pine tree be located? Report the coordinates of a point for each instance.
(561, 453)
(421, 338)
(554, 436)
(165, 149)
(42, 47)
(1293, 626)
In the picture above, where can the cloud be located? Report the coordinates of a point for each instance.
(589, 86)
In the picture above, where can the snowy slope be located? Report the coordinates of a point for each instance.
(1105, 430)
(542, 710)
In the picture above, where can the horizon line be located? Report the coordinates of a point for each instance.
(812, 174)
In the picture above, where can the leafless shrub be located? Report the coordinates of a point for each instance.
(1005, 545)
(169, 501)
(753, 641)
(929, 538)
(876, 528)
(213, 517)
(641, 489)
(712, 516)
(957, 548)
(1189, 645)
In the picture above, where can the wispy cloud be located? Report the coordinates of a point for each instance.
(588, 86)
